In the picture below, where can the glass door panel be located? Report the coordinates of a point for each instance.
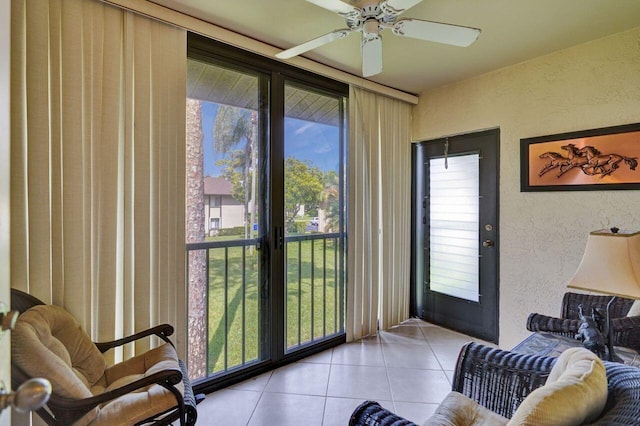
(225, 121)
(453, 226)
(314, 215)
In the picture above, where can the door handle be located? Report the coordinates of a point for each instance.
(488, 243)
(279, 237)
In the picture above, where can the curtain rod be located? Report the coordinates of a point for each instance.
(190, 23)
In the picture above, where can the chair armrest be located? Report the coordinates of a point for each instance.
(162, 331)
(370, 413)
(626, 332)
(499, 380)
(564, 327)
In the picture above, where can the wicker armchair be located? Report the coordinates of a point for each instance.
(500, 380)
(626, 330)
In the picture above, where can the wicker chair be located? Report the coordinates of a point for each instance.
(626, 330)
(162, 371)
(500, 380)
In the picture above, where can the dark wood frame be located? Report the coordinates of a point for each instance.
(598, 182)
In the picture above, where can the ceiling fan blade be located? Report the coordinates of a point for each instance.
(336, 6)
(312, 44)
(371, 55)
(400, 6)
(435, 31)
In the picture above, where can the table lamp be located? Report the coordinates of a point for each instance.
(610, 265)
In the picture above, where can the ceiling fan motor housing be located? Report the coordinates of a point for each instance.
(368, 15)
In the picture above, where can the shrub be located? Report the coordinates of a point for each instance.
(236, 230)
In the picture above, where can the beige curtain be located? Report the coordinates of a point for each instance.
(97, 160)
(379, 213)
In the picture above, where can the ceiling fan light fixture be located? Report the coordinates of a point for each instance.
(371, 26)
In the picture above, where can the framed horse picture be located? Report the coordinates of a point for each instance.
(597, 159)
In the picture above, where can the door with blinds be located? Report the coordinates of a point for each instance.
(455, 228)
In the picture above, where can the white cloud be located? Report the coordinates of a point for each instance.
(304, 128)
(323, 149)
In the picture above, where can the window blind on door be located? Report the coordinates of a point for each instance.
(454, 219)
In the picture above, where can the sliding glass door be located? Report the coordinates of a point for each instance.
(265, 214)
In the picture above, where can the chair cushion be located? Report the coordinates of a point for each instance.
(459, 410)
(48, 342)
(575, 392)
(144, 402)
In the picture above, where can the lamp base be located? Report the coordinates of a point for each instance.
(611, 354)
(613, 357)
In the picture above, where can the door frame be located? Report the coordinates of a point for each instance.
(488, 329)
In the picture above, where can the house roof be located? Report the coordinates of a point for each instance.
(217, 186)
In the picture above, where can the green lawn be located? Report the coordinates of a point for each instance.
(313, 301)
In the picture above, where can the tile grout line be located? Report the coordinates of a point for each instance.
(326, 390)
(255, 407)
(434, 354)
(386, 371)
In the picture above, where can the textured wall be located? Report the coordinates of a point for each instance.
(542, 235)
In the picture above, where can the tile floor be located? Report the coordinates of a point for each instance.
(407, 369)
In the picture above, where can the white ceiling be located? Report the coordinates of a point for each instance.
(513, 31)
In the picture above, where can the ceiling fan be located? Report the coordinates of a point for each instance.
(371, 18)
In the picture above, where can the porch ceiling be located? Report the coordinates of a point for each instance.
(229, 87)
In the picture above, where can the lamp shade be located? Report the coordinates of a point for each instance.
(610, 265)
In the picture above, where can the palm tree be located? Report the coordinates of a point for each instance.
(233, 126)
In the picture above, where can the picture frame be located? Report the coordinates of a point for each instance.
(607, 158)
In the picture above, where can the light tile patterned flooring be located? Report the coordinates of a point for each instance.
(407, 369)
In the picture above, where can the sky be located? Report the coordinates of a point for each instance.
(304, 140)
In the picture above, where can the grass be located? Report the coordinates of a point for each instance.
(235, 327)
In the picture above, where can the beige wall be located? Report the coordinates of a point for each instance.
(542, 235)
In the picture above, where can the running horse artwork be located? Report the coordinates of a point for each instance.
(595, 159)
(589, 159)
(605, 164)
(555, 161)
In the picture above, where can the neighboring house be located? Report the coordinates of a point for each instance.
(221, 210)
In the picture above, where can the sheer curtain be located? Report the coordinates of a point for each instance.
(97, 160)
(379, 213)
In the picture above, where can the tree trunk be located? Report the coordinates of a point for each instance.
(195, 217)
